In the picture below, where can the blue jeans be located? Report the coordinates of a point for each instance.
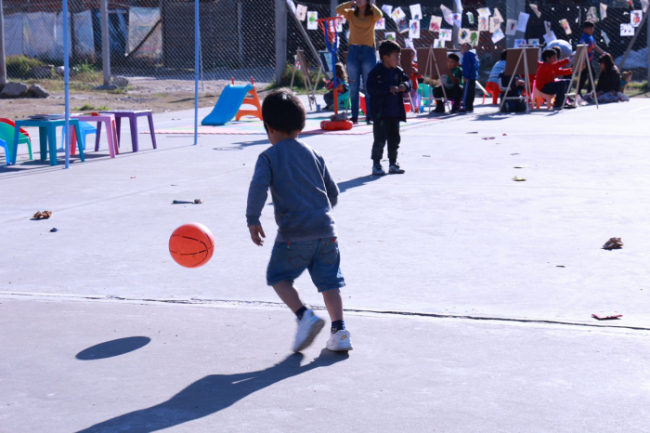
(320, 256)
(361, 60)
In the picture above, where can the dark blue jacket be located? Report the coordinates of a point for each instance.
(378, 86)
(470, 66)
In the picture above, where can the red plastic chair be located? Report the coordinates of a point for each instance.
(12, 123)
(494, 90)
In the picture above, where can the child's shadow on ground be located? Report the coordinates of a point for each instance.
(212, 394)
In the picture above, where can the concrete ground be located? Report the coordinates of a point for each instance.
(469, 294)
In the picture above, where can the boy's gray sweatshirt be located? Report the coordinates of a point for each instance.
(302, 190)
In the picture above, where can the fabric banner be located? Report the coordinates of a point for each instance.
(14, 35)
(39, 37)
(84, 40)
(141, 21)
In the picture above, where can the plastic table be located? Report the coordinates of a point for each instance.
(109, 121)
(133, 115)
(47, 130)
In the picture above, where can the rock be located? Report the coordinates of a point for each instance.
(120, 81)
(41, 72)
(59, 70)
(37, 91)
(14, 90)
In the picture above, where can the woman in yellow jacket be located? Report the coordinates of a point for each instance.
(362, 16)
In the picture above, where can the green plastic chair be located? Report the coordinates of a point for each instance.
(344, 101)
(424, 91)
(7, 134)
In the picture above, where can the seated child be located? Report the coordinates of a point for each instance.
(498, 69)
(609, 81)
(453, 85)
(516, 89)
(304, 193)
(547, 70)
(626, 77)
(342, 79)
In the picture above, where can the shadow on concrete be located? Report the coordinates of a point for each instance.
(212, 394)
(113, 348)
(355, 183)
(241, 145)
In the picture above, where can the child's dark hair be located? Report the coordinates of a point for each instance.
(387, 48)
(283, 111)
(504, 54)
(367, 12)
(588, 25)
(607, 60)
(558, 51)
(547, 54)
(341, 74)
(454, 56)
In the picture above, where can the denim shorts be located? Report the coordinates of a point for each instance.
(320, 256)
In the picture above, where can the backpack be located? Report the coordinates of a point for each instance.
(514, 105)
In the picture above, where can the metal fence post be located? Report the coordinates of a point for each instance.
(106, 43)
(197, 55)
(333, 5)
(280, 39)
(66, 80)
(3, 63)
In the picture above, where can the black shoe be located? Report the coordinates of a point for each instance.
(368, 121)
(394, 168)
(354, 120)
(439, 110)
(378, 170)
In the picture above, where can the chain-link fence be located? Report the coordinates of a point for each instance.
(154, 39)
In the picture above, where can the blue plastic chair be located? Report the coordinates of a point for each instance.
(86, 129)
(344, 101)
(3, 144)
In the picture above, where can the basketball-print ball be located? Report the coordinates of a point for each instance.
(191, 245)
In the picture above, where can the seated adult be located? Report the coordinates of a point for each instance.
(452, 83)
(498, 69)
(609, 81)
(547, 70)
(514, 91)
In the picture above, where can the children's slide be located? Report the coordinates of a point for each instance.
(228, 105)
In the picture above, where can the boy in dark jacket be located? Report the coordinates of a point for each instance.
(386, 85)
(470, 66)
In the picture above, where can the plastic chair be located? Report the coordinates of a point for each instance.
(12, 123)
(494, 90)
(538, 96)
(344, 101)
(3, 144)
(424, 90)
(7, 134)
(86, 129)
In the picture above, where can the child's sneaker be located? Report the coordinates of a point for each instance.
(340, 341)
(395, 169)
(378, 170)
(308, 328)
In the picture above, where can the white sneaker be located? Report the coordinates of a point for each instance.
(308, 328)
(340, 341)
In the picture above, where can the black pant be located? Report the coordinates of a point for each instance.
(559, 89)
(469, 95)
(329, 98)
(385, 129)
(453, 94)
(584, 78)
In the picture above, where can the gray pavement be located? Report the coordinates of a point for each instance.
(453, 237)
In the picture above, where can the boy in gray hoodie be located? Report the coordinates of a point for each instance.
(303, 194)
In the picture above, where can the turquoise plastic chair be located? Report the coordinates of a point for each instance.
(424, 91)
(86, 129)
(7, 135)
(344, 101)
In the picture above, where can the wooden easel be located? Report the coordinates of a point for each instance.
(426, 69)
(299, 59)
(581, 57)
(529, 55)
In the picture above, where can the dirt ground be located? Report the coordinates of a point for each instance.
(142, 93)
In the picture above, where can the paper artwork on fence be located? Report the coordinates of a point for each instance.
(520, 43)
(381, 24)
(533, 42)
(312, 17)
(511, 27)
(447, 13)
(470, 17)
(457, 19)
(301, 12)
(497, 16)
(547, 27)
(434, 25)
(473, 38)
(339, 26)
(459, 6)
(402, 26)
(390, 36)
(388, 9)
(605, 37)
(414, 29)
(535, 9)
(292, 6)
(497, 35)
(603, 11)
(627, 30)
(592, 15)
(644, 5)
(416, 11)
(566, 26)
(463, 36)
(483, 23)
(550, 37)
(408, 43)
(636, 17)
(483, 12)
(445, 34)
(522, 22)
(437, 43)
(398, 14)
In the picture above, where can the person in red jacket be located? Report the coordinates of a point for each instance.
(547, 70)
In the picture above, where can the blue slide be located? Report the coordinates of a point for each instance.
(228, 105)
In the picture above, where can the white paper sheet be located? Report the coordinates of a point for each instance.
(390, 36)
(416, 11)
(627, 30)
(388, 9)
(381, 24)
(301, 12)
(535, 9)
(398, 14)
(511, 27)
(312, 24)
(484, 12)
(445, 34)
(498, 35)
(636, 17)
(483, 23)
(550, 37)
(435, 23)
(603, 11)
(457, 19)
(414, 29)
(522, 22)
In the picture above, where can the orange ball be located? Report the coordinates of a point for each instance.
(191, 245)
